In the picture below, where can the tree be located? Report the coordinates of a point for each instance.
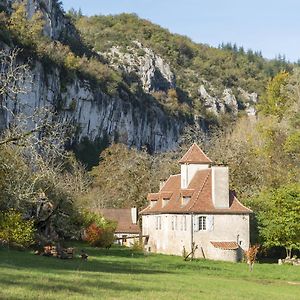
(27, 31)
(279, 217)
(275, 100)
(14, 230)
(33, 159)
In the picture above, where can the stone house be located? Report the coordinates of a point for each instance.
(128, 229)
(196, 206)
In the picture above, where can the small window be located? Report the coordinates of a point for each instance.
(202, 223)
(175, 222)
(165, 202)
(185, 200)
(158, 223)
(153, 203)
(172, 222)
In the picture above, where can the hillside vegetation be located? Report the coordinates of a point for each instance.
(226, 67)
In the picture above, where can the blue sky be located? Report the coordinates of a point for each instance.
(270, 26)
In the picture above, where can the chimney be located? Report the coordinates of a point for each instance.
(162, 183)
(134, 215)
(220, 186)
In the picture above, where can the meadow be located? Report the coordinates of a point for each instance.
(120, 273)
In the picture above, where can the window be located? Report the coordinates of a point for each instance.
(165, 202)
(158, 223)
(153, 203)
(172, 222)
(185, 200)
(202, 223)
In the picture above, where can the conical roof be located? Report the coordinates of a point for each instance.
(195, 156)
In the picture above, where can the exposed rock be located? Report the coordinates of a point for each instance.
(249, 101)
(96, 114)
(210, 103)
(57, 25)
(154, 73)
(228, 101)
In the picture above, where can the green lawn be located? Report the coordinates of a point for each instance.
(120, 274)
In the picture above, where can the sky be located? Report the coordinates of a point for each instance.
(272, 27)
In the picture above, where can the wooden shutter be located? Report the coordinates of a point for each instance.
(196, 223)
(210, 222)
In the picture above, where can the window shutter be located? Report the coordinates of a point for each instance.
(196, 223)
(210, 222)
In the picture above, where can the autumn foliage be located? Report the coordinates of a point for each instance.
(99, 237)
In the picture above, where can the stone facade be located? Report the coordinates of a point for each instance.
(202, 212)
(180, 230)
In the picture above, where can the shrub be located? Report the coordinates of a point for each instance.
(14, 230)
(99, 232)
(99, 237)
(137, 246)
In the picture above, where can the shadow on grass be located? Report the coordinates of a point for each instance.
(85, 286)
(99, 261)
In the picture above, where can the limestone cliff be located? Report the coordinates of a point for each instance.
(137, 117)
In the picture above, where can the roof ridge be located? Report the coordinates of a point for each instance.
(201, 189)
(195, 155)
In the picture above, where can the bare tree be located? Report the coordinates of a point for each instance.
(33, 156)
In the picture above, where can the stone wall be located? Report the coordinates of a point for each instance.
(223, 228)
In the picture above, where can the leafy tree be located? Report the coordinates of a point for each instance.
(279, 217)
(27, 31)
(275, 101)
(16, 231)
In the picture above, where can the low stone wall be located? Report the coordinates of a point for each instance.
(291, 261)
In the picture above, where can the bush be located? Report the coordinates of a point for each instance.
(99, 237)
(16, 231)
(98, 232)
(137, 246)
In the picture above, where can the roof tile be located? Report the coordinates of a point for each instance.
(195, 155)
(201, 197)
(122, 216)
(225, 245)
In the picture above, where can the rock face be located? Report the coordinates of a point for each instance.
(228, 102)
(123, 118)
(57, 26)
(154, 73)
(94, 113)
(97, 115)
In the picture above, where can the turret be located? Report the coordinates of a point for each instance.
(193, 161)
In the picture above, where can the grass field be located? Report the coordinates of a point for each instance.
(119, 273)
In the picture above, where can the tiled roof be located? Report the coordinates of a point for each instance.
(123, 217)
(153, 196)
(200, 191)
(195, 155)
(225, 245)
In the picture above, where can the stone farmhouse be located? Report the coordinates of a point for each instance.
(128, 230)
(196, 207)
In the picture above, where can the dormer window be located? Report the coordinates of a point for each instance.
(165, 201)
(185, 200)
(153, 203)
